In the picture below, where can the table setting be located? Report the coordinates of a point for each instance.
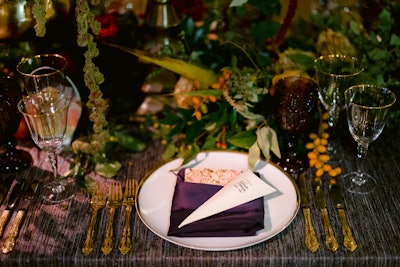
(257, 155)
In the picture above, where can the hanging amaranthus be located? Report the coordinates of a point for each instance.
(87, 28)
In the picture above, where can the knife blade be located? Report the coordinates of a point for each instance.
(311, 240)
(5, 185)
(330, 241)
(25, 201)
(11, 203)
(348, 239)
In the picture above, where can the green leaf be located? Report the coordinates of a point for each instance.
(265, 30)
(237, 3)
(395, 40)
(202, 93)
(243, 139)
(303, 60)
(130, 142)
(263, 142)
(169, 152)
(254, 156)
(108, 169)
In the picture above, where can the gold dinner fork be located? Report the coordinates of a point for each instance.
(97, 202)
(125, 244)
(114, 202)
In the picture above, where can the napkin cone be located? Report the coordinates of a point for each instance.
(244, 188)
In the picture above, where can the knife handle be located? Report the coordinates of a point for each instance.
(3, 220)
(9, 243)
(349, 242)
(331, 241)
(311, 240)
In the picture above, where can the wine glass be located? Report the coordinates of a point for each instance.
(11, 159)
(46, 116)
(297, 99)
(41, 72)
(367, 107)
(334, 74)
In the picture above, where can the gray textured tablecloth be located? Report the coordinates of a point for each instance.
(54, 235)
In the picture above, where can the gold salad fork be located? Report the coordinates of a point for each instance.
(114, 202)
(97, 202)
(125, 244)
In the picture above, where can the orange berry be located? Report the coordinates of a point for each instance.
(311, 155)
(195, 101)
(317, 141)
(212, 98)
(198, 115)
(324, 141)
(324, 125)
(321, 149)
(325, 135)
(215, 86)
(327, 167)
(319, 172)
(313, 136)
(332, 181)
(313, 162)
(324, 157)
(325, 116)
(309, 145)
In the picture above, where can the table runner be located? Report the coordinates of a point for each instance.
(54, 235)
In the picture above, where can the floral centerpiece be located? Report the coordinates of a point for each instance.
(238, 51)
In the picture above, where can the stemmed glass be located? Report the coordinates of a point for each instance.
(367, 107)
(296, 105)
(334, 74)
(11, 158)
(43, 72)
(46, 116)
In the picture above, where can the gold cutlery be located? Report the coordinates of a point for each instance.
(330, 241)
(311, 240)
(129, 200)
(11, 203)
(25, 201)
(114, 202)
(334, 191)
(97, 202)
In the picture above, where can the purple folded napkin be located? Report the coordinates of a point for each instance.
(242, 220)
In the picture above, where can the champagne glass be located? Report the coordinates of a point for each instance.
(11, 159)
(46, 116)
(43, 72)
(334, 74)
(367, 107)
(297, 102)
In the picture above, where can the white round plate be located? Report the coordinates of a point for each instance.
(155, 198)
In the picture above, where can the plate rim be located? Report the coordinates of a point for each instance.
(255, 242)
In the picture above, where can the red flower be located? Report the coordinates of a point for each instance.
(109, 26)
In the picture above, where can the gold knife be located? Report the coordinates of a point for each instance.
(334, 191)
(11, 203)
(25, 201)
(311, 240)
(330, 241)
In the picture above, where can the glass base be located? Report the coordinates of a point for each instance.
(56, 192)
(359, 183)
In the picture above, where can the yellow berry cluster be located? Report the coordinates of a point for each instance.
(317, 156)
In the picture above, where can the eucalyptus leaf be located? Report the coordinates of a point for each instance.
(263, 142)
(254, 156)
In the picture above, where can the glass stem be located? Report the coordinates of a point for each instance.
(362, 149)
(58, 187)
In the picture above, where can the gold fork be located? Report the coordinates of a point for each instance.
(114, 202)
(125, 244)
(97, 202)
